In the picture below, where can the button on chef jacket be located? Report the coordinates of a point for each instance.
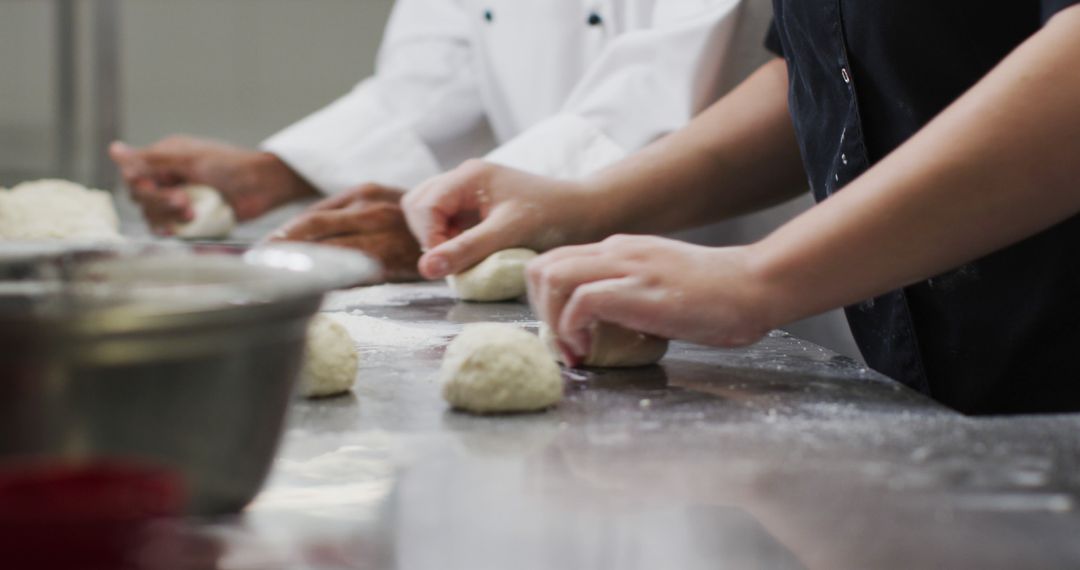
(999, 335)
(555, 87)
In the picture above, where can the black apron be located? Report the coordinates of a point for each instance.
(994, 336)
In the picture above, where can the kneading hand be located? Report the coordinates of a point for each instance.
(251, 182)
(654, 285)
(368, 218)
(480, 208)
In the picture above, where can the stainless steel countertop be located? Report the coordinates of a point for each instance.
(783, 455)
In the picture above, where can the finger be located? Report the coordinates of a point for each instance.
(432, 209)
(151, 166)
(320, 225)
(164, 204)
(471, 247)
(361, 194)
(613, 300)
(552, 283)
(570, 251)
(132, 168)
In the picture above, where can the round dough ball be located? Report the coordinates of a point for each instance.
(500, 277)
(613, 346)
(57, 210)
(331, 362)
(492, 368)
(213, 219)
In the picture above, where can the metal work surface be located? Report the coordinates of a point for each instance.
(782, 455)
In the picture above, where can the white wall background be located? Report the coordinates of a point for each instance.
(231, 69)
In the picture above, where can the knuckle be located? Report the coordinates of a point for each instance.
(369, 191)
(475, 168)
(173, 140)
(473, 165)
(534, 270)
(549, 277)
(586, 298)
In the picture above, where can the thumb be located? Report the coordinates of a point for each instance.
(159, 163)
(128, 159)
(468, 249)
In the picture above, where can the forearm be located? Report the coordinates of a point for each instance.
(738, 156)
(997, 166)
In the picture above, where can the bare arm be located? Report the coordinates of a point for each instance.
(738, 156)
(998, 165)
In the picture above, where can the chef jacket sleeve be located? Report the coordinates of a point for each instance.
(648, 82)
(420, 112)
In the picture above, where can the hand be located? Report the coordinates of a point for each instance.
(479, 208)
(653, 285)
(252, 182)
(368, 218)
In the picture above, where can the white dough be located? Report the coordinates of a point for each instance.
(614, 346)
(214, 217)
(492, 368)
(331, 362)
(500, 277)
(52, 210)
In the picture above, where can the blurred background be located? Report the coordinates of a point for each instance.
(237, 70)
(77, 74)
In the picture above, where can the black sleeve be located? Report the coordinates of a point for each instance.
(772, 39)
(1052, 7)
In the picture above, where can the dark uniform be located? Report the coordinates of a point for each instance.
(995, 336)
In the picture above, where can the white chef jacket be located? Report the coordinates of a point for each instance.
(555, 87)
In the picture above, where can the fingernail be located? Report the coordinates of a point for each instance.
(438, 266)
(569, 359)
(580, 344)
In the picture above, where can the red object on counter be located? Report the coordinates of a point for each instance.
(86, 516)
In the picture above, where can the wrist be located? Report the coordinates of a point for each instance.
(597, 209)
(777, 295)
(276, 177)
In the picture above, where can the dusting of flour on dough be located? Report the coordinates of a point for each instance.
(331, 361)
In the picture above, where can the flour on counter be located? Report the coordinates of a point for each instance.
(384, 296)
(377, 332)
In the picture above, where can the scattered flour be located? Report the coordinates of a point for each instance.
(383, 296)
(375, 332)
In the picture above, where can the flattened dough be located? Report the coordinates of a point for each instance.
(614, 346)
(49, 210)
(493, 368)
(500, 277)
(214, 218)
(331, 362)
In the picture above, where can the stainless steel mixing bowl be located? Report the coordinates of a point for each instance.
(182, 356)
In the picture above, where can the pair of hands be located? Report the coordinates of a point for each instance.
(367, 218)
(668, 288)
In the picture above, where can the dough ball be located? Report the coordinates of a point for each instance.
(214, 217)
(500, 277)
(331, 362)
(492, 368)
(614, 346)
(55, 210)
